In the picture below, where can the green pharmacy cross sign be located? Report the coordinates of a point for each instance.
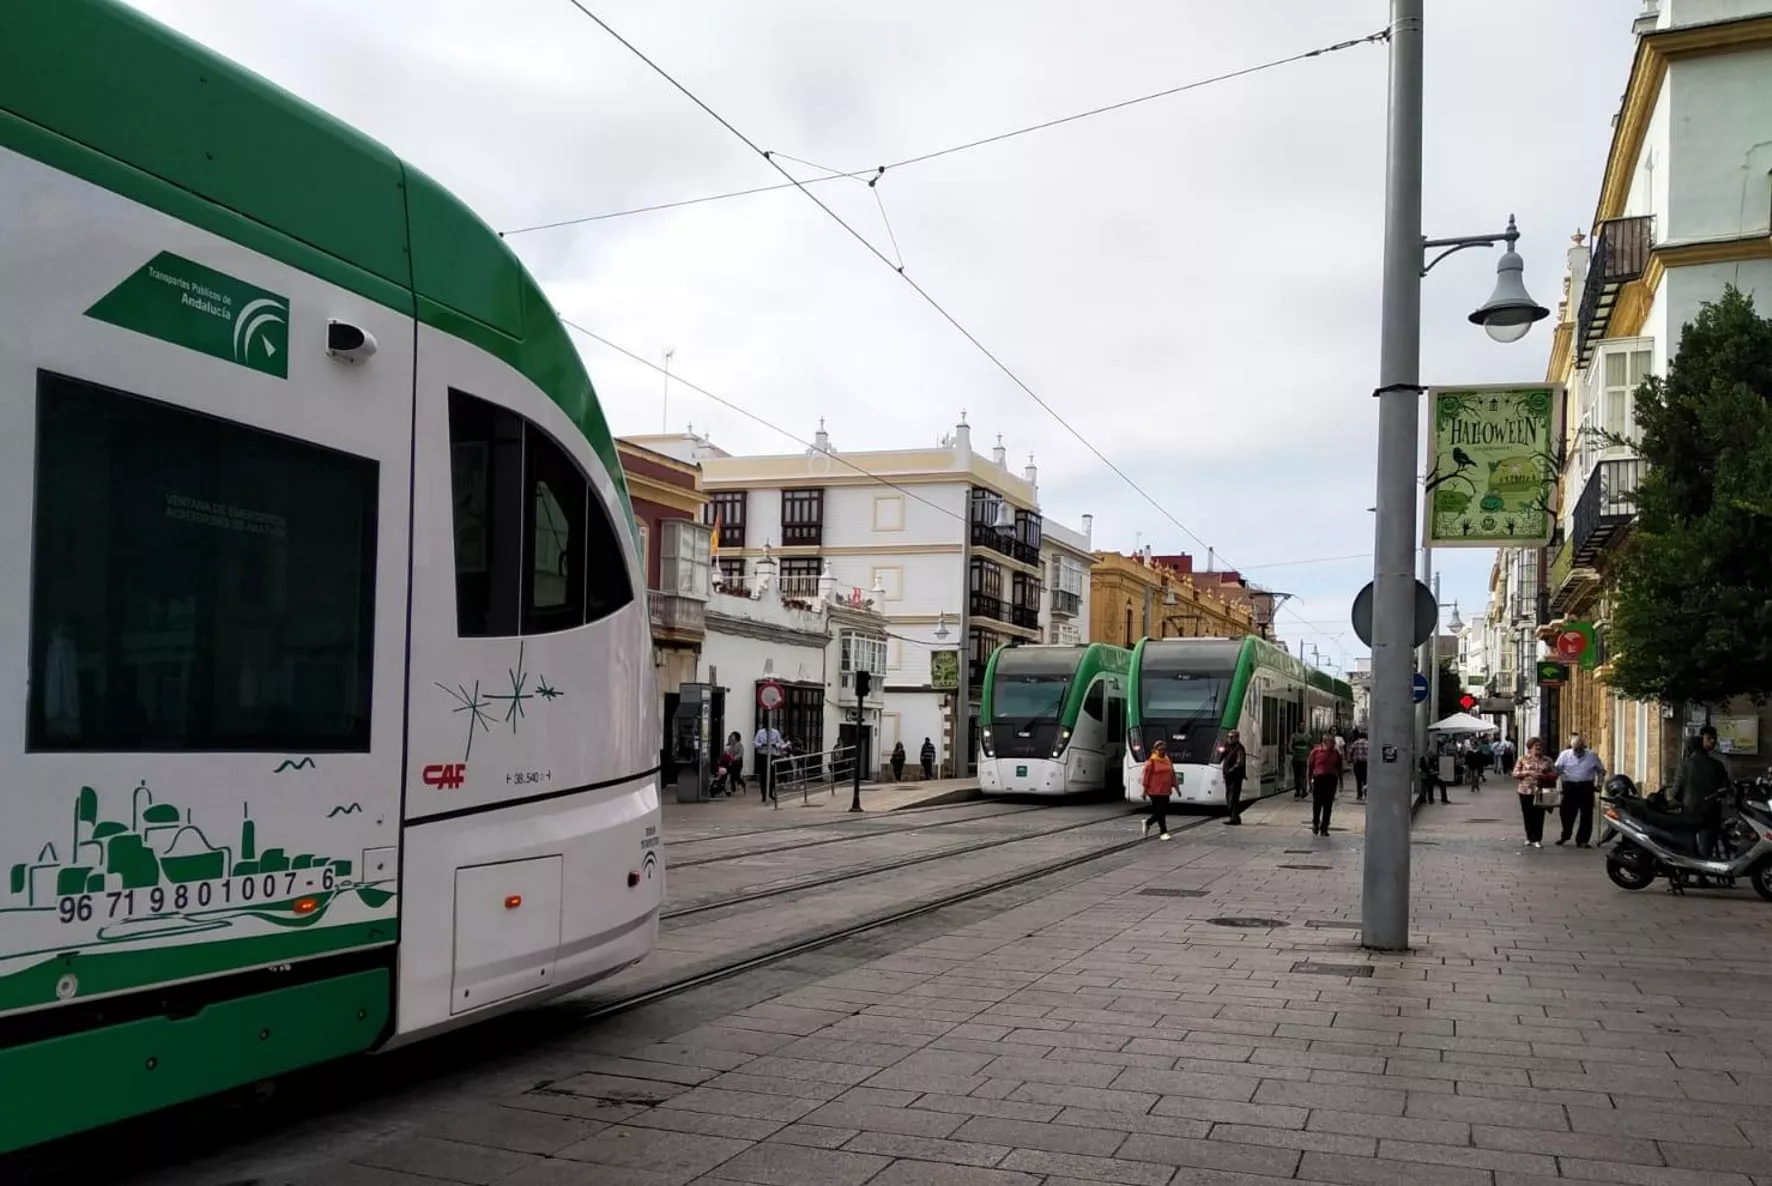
(1492, 465)
(183, 302)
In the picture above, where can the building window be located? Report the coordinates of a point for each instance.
(801, 718)
(196, 584)
(1028, 529)
(1025, 595)
(802, 518)
(1129, 639)
(725, 510)
(645, 546)
(861, 652)
(732, 575)
(799, 577)
(1609, 413)
(987, 590)
(982, 645)
(683, 559)
(527, 524)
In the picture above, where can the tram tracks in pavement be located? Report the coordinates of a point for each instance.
(752, 960)
(691, 862)
(837, 876)
(166, 1141)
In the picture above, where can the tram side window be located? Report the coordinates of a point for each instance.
(196, 584)
(1092, 703)
(535, 551)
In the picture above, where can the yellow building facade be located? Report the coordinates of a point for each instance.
(1130, 599)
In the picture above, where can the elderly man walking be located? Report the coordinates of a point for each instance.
(1581, 771)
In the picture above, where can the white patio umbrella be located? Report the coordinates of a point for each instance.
(1462, 722)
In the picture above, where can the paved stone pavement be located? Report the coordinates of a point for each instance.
(1547, 1027)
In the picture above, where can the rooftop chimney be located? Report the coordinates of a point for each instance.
(1000, 455)
(1032, 473)
(821, 440)
(1088, 529)
(963, 437)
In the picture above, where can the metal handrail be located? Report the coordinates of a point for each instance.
(804, 771)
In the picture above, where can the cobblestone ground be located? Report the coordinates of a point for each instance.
(1110, 1028)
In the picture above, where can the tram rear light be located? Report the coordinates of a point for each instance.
(306, 905)
(513, 901)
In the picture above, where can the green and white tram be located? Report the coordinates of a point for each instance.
(335, 726)
(1052, 719)
(1191, 692)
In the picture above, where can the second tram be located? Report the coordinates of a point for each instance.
(1191, 692)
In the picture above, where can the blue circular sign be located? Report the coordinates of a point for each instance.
(1420, 687)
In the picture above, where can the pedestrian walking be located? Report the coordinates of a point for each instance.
(1506, 756)
(1301, 753)
(1582, 771)
(1235, 767)
(1359, 751)
(1534, 777)
(898, 761)
(1159, 784)
(927, 756)
(1325, 772)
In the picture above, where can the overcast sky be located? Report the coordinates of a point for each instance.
(1192, 282)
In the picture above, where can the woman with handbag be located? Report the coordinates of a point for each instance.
(1535, 777)
(1159, 783)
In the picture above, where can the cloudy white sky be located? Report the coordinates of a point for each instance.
(1192, 282)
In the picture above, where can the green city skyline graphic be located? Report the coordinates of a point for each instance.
(159, 845)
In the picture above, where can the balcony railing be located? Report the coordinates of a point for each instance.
(1066, 604)
(674, 613)
(1003, 542)
(1025, 617)
(801, 585)
(1607, 505)
(983, 605)
(1620, 253)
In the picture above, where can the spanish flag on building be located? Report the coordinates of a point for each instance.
(714, 541)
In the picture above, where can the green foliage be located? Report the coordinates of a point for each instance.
(1692, 614)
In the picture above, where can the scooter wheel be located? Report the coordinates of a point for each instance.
(1762, 879)
(1625, 875)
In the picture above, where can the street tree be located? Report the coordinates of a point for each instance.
(1692, 589)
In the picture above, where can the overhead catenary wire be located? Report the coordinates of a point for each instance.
(927, 297)
(863, 471)
(875, 171)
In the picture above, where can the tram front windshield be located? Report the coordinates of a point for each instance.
(1029, 696)
(1182, 695)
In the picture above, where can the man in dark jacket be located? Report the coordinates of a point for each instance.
(927, 757)
(1235, 766)
(1700, 785)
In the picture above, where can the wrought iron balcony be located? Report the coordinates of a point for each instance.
(1620, 253)
(1003, 542)
(1067, 605)
(1608, 504)
(983, 605)
(676, 615)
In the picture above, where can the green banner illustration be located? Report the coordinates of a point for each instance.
(179, 301)
(1492, 466)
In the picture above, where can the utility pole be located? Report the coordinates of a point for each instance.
(1384, 906)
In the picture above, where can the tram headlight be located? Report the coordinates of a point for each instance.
(984, 743)
(1135, 743)
(1064, 739)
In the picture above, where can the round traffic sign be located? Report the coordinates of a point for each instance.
(1419, 687)
(770, 696)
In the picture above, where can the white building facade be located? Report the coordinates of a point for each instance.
(951, 542)
(811, 648)
(1065, 557)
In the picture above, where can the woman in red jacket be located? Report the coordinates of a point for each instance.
(1159, 784)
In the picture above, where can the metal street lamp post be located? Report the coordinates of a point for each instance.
(1506, 316)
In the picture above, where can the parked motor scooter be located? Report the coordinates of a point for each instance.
(1652, 842)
